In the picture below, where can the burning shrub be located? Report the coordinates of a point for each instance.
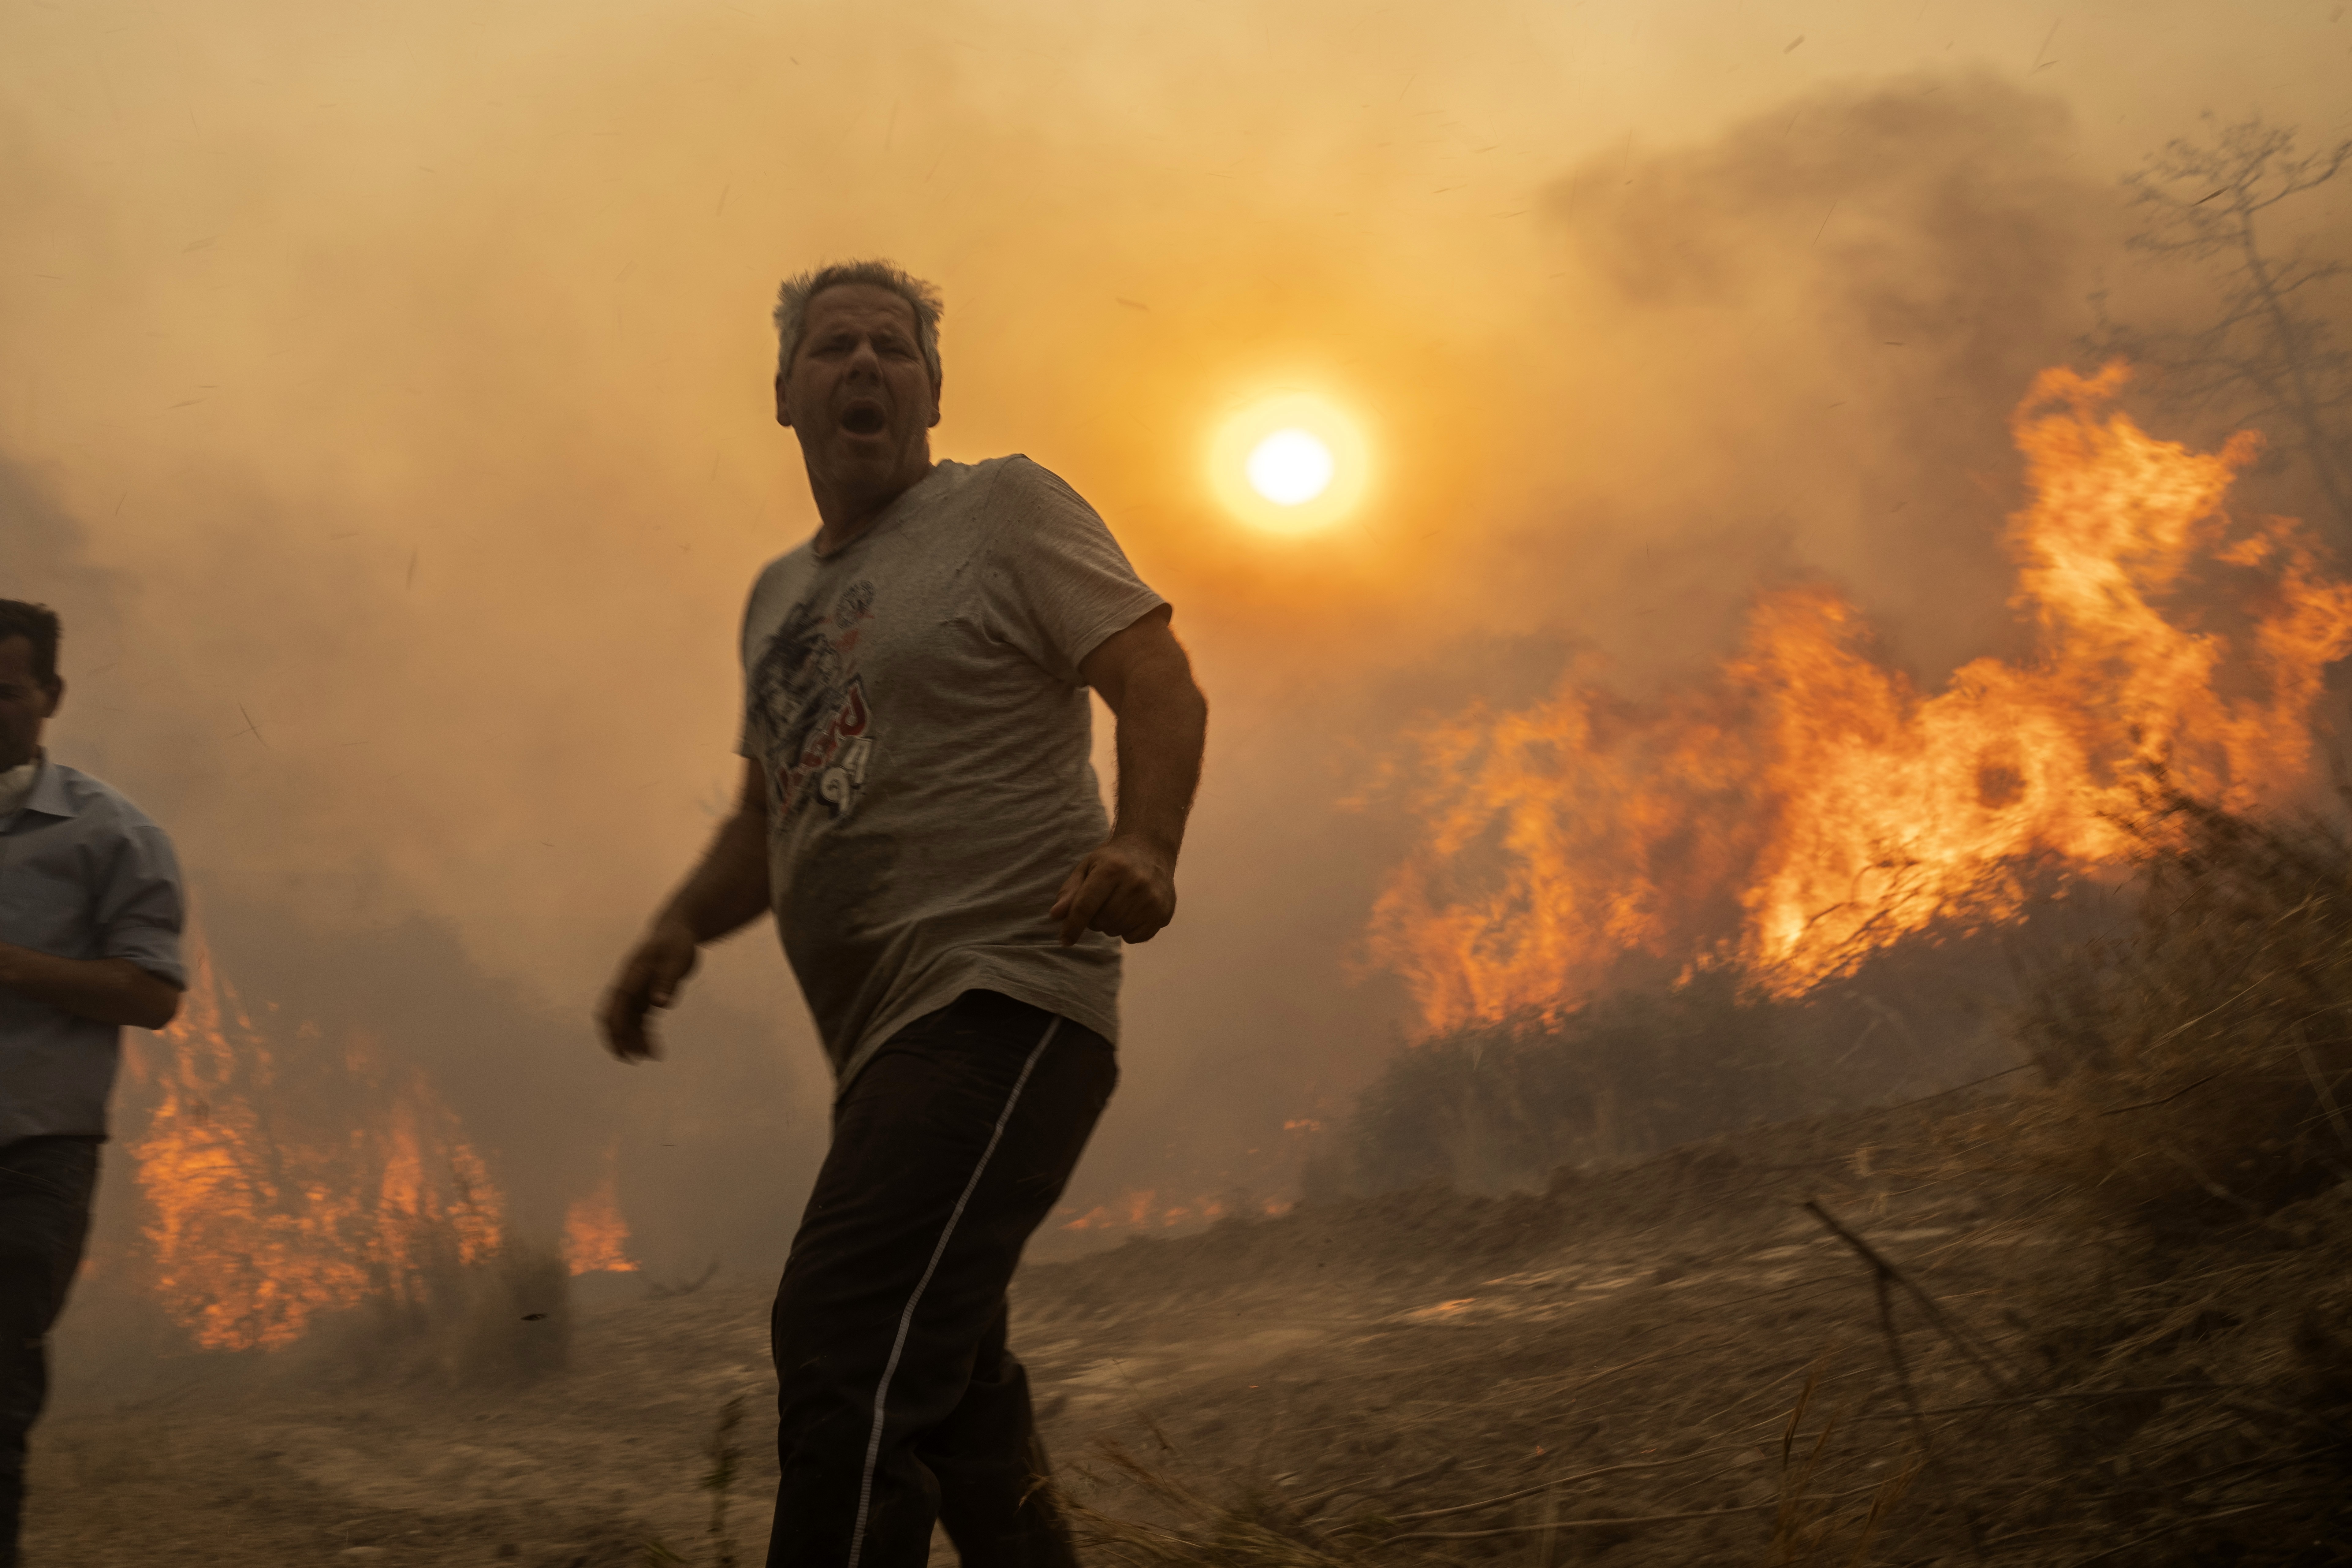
(274, 1194)
(308, 1183)
(2195, 1064)
(1808, 804)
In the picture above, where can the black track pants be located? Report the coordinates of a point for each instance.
(899, 1402)
(45, 1192)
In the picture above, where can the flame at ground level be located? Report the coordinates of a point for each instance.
(1809, 805)
(257, 1222)
(284, 1175)
(595, 1236)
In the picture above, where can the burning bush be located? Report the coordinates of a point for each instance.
(275, 1194)
(1788, 832)
(310, 1184)
(1809, 804)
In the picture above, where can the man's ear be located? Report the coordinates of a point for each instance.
(937, 381)
(783, 403)
(56, 695)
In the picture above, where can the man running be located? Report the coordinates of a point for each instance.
(91, 909)
(919, 813)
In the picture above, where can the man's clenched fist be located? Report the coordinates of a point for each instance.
(1127, 889)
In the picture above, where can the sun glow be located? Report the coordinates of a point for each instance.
(1291, 463)
(1290, 467)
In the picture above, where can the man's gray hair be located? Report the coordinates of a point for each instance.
(793, 298)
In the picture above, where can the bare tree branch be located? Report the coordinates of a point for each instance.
(2269, 357)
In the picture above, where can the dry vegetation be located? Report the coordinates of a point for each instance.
(2099, 1319)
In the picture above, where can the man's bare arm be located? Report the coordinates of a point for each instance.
(109, 990)
(726, 891)
(1127, 887)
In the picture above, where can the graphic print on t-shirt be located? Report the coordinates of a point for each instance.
(810, 704)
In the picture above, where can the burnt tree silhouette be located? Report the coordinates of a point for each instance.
(2268, 357)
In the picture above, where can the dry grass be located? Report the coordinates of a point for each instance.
(2197, 1065)
(1247, 1533)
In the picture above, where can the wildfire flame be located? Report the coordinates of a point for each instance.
(595, 1236)
(257, 1228)
(1812, 802)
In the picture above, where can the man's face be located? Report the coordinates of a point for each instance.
(24, 704)
(856, 393)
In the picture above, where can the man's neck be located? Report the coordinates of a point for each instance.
(841, 518)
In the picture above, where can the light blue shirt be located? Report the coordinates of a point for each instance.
(83, 874)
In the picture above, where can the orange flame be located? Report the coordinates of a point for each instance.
(255, 1228)
(595, 1236)
(1812, 802)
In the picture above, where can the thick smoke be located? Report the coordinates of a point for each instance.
(1826, 315)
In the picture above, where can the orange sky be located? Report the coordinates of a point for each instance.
(403, 370)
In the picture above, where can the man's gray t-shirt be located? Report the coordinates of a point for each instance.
(915, 704)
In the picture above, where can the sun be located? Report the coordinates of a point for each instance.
(1290, 467)
(1290, 463)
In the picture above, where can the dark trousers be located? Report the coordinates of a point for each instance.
(45, 1191)
(898, 1403)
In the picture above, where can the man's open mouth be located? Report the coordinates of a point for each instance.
(863, 419)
